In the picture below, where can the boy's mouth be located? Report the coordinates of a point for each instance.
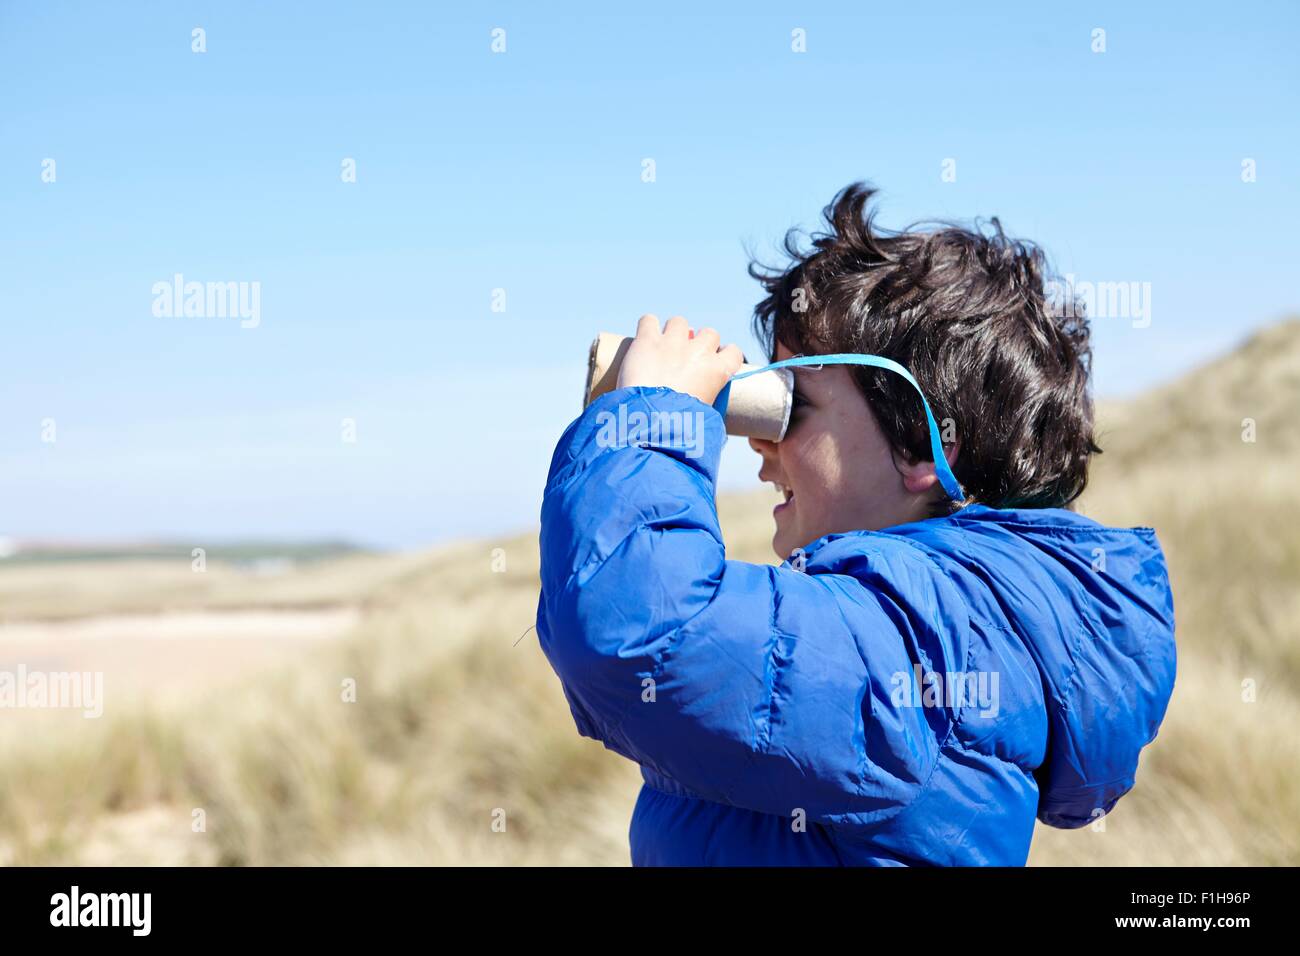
(787, 493)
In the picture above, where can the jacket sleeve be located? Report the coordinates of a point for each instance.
(756, 686)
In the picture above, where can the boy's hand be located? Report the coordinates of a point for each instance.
(686, 361)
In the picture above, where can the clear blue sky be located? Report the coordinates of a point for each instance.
(522, 171)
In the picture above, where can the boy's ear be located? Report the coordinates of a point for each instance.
(919, 476)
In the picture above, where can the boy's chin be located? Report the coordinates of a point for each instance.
(783, 543)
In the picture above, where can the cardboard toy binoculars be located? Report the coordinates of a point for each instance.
(759, 406)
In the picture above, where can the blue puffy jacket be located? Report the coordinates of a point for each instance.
(915, 695)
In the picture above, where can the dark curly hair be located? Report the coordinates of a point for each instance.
(966, 311)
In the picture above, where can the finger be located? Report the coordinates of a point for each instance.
(677, 327)
(708, 337)
(734, 358)
(647, 325)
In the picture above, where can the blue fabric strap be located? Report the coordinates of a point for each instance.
(944, 473)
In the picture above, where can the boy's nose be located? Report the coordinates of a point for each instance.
(763, 446)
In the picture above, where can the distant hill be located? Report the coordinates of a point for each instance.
(234, 552)
(1200, 415)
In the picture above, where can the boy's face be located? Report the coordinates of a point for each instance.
(835, 466)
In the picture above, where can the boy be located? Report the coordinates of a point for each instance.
(924, 677)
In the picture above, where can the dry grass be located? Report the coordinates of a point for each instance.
(454, 723)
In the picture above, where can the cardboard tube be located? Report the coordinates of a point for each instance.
(759, 406)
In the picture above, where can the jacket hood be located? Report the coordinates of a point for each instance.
(1093, 606)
